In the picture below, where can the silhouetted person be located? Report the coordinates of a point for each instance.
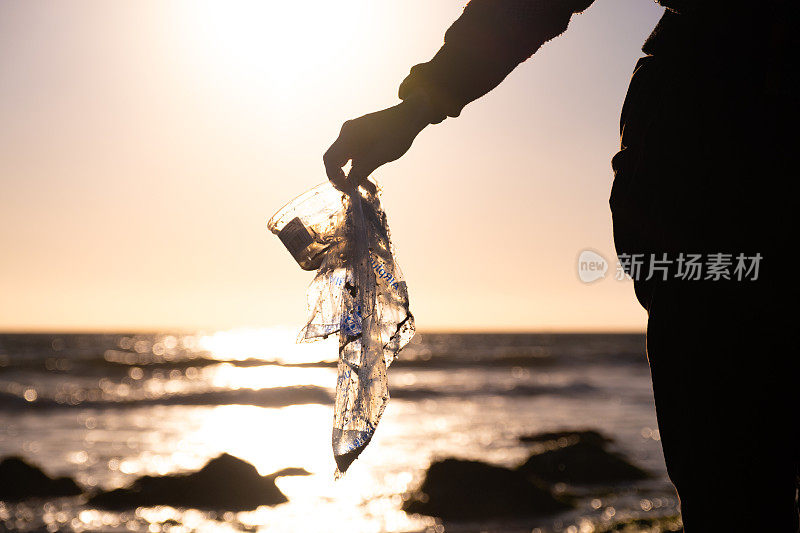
(707, 174)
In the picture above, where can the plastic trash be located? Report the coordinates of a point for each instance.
(357, 293)
(308, 224)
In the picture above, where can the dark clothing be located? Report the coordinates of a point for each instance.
(492, 37)
(724, 369)
(707, 165)
(483, 46)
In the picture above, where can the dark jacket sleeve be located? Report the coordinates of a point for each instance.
(483, 46)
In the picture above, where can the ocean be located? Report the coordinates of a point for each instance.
(105, 409)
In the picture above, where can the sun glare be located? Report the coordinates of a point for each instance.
(269, 344)
(284, 46)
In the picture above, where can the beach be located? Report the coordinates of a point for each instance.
(106, 409)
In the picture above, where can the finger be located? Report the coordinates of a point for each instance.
(333, 168)
(370, 187)
(360, 172)
(337, 178)
(334, 159)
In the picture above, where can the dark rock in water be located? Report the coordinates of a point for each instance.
(291, 471)
(578, 458)
(636, 525)
(20, 480)
(224, 483)
(470, 490)
(564, 438)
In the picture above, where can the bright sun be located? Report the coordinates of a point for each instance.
(283, 45)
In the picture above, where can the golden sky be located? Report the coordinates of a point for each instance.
(144, 144)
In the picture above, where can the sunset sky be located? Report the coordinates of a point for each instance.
(144, 145)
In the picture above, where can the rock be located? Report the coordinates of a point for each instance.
(291, 471)
(20, 480)
(578, 458)
(224, 483)
(637, 525)
(459, 490)
(562, 438)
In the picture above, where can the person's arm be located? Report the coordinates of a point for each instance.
(481, 48)
(484, 45)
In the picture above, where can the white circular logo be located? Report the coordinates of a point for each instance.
(591, 266)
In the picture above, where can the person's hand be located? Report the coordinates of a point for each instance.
(372, 140)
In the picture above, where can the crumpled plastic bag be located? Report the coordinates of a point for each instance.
(358, 293)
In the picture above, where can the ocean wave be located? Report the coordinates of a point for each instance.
(272, 397)
(120, 362)
(420, 393)
(279, 396)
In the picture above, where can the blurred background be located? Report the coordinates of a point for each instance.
(148, 317)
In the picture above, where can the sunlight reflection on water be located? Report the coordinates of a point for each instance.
(148, 417)
(270, 344)
(229, 376)
(271, 439)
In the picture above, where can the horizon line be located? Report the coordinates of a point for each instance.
(430, 331)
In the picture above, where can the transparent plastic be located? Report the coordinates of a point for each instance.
(358, 293)
(307, 224)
